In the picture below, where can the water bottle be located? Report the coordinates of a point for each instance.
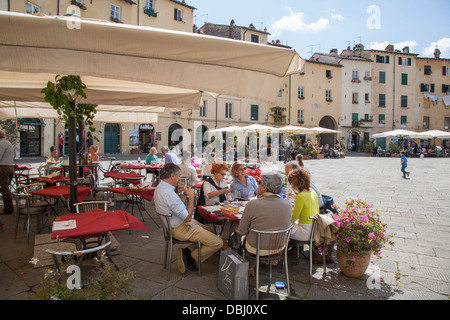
(283, 191)
(139, 160)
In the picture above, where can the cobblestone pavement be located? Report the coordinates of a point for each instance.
(417, 267)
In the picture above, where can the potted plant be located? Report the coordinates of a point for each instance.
(360, 233)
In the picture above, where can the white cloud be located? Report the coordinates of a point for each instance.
(397, 46)
(443, 45)
(337, 16)
(295, 22)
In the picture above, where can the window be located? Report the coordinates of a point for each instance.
(354, 116)
(445, 88)
(382, 100)
(427, 87)
(202, 110)
(115, 12)
(301, 92)
(446, 123)
(367, 76)
(426, 122)
(382, 77)
(228, 110)
(404, 78)
(300, 118)
(178, 14)
(254, 112)
(382, 59)
(403, 120)
(149, 4)
(427, 70)
(254, 38)
(445, 71)
(32, 8)
(381, 119)
(355, 98)
(355, 75)
(366, 97)
(328, 95)
(328, 74)
(404, 101)
(404, 61)
(366, 116)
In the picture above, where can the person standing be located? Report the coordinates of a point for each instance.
(404, 162)
(7, 155)
(61, 144)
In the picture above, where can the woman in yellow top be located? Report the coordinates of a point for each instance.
(306, 204)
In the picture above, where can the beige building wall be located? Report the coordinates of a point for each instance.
(432, 112)
(313, 107)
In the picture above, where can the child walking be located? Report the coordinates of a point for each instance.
(404, 162)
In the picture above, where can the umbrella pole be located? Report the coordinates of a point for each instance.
(72, 160)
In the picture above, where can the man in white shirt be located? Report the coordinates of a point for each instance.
(188, 172)
(184, 227)
(7, 155)
(170, 156)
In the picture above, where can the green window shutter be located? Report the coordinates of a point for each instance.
(404, 78)
(354, 116)
(432, 87)
(387, 59)
(382, 100)
(382, 77)
(381, 117)
(403, 119)
(409, 61)
(254, 112)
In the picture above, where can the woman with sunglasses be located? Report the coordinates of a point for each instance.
(243, 185)
(215, 189)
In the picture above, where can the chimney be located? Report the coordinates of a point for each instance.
(358, 47)
(232, 23)
(406, 50)
(390, 48)
(437, 53)
(334, 52)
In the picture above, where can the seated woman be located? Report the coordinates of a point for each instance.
(93, 149)
(306, 204)
(268, 212)
(215, 189)
(51, 160)
(152, 157)
(243, 185)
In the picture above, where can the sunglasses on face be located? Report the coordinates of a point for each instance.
(222, 174)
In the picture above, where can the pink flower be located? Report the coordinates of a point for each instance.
(371, 235)
(348, 239)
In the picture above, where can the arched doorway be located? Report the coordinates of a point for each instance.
(112, 138)
(175, 139)
(327, 138)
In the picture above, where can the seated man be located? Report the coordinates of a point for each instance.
(184, 227)
(269, 212)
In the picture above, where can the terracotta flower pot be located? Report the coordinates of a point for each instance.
(356, 269)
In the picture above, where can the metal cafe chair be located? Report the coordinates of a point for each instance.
(91, 205)
(278, 244)
(310, 243)
(171, 242)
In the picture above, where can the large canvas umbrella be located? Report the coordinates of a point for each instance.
(400, 133)
(36, 45)
(437, 134)
(255, 128)
(295, 130)
(322, 130)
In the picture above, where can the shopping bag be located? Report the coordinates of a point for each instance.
(233, 275)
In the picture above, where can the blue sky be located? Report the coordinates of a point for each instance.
(321, 25)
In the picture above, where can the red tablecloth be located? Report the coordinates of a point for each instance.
(63, 191)
(133, 178)
(97, 221)
(22, 168)
(50, 181)
(147, 194)
(143, 166)
(214, 217)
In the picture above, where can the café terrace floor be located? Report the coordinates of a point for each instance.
(416, 268)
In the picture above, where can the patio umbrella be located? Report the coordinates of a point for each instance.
(225, 129)
(437, 134)
(255, 128)
(295, 130)
(400, 133)
(109, 53)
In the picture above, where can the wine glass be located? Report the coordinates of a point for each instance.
(237, 195)
(251, 195)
